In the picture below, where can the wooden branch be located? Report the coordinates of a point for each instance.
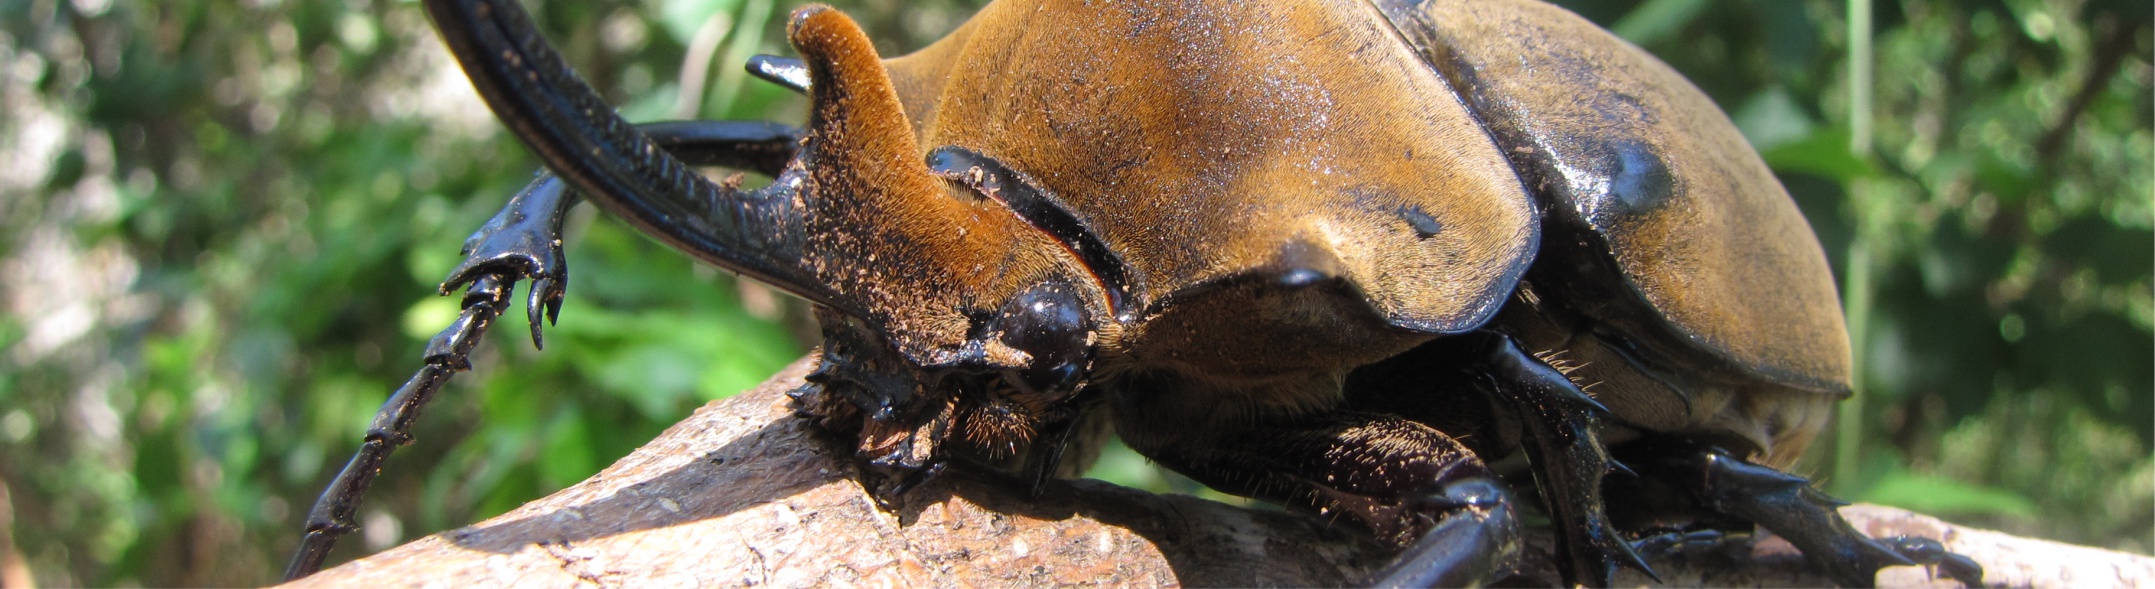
(14, 570)
(742, 493)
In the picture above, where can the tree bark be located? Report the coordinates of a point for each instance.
(743, 493)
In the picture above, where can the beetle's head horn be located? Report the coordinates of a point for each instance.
(959, 282)
(928, 257)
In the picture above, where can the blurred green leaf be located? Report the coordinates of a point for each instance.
(682, 17)
(1823, 152)
(1772, 118)
(429, 316)
(568, 452)
(1657, 20)
(1946, 497)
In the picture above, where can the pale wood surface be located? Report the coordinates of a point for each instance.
(744, 494)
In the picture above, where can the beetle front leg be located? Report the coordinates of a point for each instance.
(521, 242)
(448, 353)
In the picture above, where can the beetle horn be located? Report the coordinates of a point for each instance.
(857, 222)
(580, 138)
(955, 253)
(860, 145)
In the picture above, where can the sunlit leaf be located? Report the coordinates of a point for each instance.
(1656, 20)
(1823, 152)
(1943, 496)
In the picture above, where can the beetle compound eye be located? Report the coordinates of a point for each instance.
(1049, 323)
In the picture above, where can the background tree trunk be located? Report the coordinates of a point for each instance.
(742, 493)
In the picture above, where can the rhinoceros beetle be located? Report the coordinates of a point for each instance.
(1342, 255)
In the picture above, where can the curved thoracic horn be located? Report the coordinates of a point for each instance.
(858, 223)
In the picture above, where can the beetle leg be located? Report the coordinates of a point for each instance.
(1413, 486)
(1792, 508)
(1045, 461)
(1789, 506)
(1930, 553)
(1561, 428)
(1677, 541)
(863, 392)
(1469, 547)
(523, 241)
(447, 354)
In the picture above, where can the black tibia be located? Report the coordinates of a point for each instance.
(1458, 551)
(1412, 485)
(1790, 507)
(447, 354)
(1050, 456)
(523, 241)
(1560, 431)
(1679, 541)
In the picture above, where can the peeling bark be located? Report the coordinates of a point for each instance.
(741, 493)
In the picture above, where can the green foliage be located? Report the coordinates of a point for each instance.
(223, 223)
